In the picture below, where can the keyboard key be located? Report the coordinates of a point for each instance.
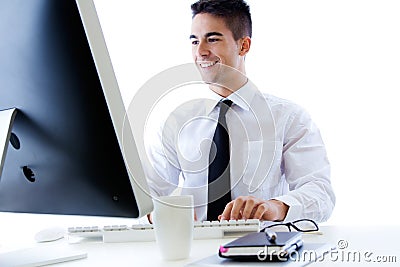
(224, 223)
(215, 224)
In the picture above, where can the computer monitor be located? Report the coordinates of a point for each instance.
(71, 149)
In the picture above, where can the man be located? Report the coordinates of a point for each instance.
(276, 166)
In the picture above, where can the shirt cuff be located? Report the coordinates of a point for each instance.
(295, 208)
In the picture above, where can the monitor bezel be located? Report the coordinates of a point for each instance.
(115, 104)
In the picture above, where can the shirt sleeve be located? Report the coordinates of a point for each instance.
(306, 170)
(161, 166)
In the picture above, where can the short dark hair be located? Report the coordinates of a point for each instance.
(236, 14)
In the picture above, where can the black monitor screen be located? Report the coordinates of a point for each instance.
(64, 157)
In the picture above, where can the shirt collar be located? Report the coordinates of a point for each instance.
(242, 97)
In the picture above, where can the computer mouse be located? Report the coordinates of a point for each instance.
(50, 234)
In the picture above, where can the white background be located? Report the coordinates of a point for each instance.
(338, 59)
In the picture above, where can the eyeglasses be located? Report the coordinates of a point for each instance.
(303, 225)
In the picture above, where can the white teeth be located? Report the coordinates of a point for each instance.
(208, 64)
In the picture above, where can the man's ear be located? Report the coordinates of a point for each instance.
(245, 45)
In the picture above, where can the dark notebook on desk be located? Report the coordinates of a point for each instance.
(258, 246)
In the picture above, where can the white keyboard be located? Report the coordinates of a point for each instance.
(145, 232)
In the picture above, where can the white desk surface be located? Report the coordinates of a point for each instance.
(372, 243)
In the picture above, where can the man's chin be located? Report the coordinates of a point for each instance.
(207, 78)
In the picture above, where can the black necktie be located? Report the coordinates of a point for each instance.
(219, 184)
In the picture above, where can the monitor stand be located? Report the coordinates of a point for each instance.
(6, 120)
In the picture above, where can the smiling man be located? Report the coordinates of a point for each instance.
(215, 48)
(266, 160)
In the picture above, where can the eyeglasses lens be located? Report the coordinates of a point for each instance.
(305, 225)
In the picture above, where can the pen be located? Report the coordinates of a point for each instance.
(271, 235)
(291, 249)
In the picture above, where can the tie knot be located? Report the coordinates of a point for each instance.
(224, 106)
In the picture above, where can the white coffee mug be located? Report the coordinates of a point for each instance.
(173, 224)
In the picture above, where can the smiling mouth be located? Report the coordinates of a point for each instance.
(207, 64)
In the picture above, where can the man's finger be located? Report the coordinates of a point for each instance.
(262, 212)
(249, 207)
(227, 212)
(237, 208)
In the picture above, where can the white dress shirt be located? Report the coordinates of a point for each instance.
(276, 153)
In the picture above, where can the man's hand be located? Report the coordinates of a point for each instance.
(249, 207)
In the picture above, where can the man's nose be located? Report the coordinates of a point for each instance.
(202, 50)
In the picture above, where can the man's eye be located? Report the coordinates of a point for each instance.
(212, 40)
(195, 42)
